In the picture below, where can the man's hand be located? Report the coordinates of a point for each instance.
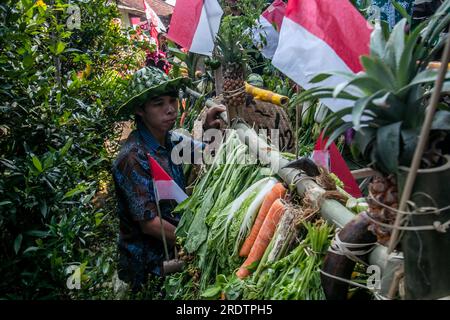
(212, 117)
(153, 228)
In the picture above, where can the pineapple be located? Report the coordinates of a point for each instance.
(384, 190)
(233, 86)
(233, 59)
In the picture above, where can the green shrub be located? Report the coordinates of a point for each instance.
(58, 92)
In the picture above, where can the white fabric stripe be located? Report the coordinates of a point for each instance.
(265, 30)
(168, 189)
(203, 41)
(301, 55)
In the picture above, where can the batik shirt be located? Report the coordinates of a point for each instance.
(141, 254)
(386, 9)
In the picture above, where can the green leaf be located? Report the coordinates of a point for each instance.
(425, 76)
(408, 66)
(37, 164)
(336, 133)
(37, 233)
(409, 138)
(221, 279)
(363, 82)
(212, 292)
(60, 47)
(360, 106)
(377, 70)
(320, 77)
(377, 42)
(402, 11)
(66, 147)
(395, 46)
(18, 243)
(30, 249)
(388, 146)
(105, 268)
(28, 61)
(334, 120)
(78, 189)
(364, 137)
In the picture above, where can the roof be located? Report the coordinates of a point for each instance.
(160, 7)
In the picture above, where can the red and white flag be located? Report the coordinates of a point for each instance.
(153, 19)
(165, 186)
(335, 163)
(266, 34)
(195, 24)
(321, 36)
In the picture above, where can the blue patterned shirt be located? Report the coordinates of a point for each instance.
(142, 254)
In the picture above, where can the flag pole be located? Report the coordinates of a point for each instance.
(158, 209)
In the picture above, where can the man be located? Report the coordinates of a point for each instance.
(423, 9)
(155, 106)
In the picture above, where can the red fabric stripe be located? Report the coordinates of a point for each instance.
(339, 167)
(337, 23)
(275, 13)
(158, 173)
(184, 22)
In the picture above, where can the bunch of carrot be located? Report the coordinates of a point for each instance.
(263, 229)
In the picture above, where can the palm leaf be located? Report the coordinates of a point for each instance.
(423, 77)
(380, 72)
(360, 105)
(408, 66)
(336, 133)
(388, 146)
(395, 46)
(377, 42)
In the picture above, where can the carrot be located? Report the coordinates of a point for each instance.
(264, 236)
(182, 119)
(278, 191)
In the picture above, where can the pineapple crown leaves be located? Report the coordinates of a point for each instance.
(232, 40)
(386, 100)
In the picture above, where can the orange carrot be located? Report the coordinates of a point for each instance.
(182, 119)
(264, 236)
(278, 191)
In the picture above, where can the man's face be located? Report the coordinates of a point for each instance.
(159, 113)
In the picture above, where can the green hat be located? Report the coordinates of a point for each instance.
(255, 80)
(150, 82)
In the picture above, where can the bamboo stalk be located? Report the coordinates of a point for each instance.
(330, 209)
(423, 137)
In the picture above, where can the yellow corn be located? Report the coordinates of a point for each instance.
(266, 95)
(435, 65)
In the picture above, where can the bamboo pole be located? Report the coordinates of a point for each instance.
(331, 210)
(423, 138)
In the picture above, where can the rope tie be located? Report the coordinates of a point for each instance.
(342, 248)
(437, 225)
(415, 210)
(233, 93)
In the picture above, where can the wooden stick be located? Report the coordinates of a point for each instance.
(297, 120)
(424, 133)
(363, 173)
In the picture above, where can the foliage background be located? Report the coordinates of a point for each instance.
(58, 91)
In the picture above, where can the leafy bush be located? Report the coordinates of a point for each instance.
(58, 91)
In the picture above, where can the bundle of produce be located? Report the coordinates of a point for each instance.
(228, 231)
(295, 276)
(217, 217)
